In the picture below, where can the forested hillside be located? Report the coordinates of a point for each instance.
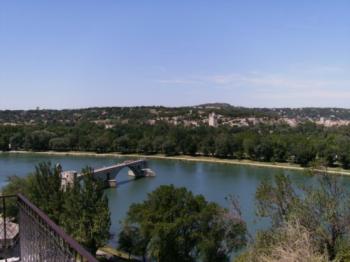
(158, 113)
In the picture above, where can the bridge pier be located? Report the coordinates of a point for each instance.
(112, 183)
(68, 178)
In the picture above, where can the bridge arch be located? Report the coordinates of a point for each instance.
(137, 168)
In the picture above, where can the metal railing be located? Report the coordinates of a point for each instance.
(40, 239)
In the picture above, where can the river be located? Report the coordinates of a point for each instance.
(214, 181)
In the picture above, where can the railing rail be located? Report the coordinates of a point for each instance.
(43, 240)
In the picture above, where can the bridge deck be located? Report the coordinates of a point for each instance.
(118, 166)
(108, 173)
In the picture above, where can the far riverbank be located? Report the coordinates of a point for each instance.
(335, 171)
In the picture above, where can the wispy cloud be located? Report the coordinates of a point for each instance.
(281, 81)
(299, 84)
(181, 81)
(316, 78)
(266, 80)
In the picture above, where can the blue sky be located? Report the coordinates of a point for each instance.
(82, 53)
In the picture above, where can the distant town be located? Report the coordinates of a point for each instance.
(214, 115)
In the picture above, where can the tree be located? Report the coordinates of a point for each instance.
(42, 187)
(323, 210)
(279, 149)
(169, 147)
(86, 216)
(328, 207)
(145, 146)
(207, 145)
(343, 146)
(59, 144)
(102, 143)
(249, 145)
(189, 145)
(276, 200)
(16, 140)
(291, 242)
(123, 144)
(126, 239)
(264, 151)
(304, 152)
(131, 241)
(175, 225)
(38, 140)
(223, 146)
(14, 185)
(4, 144)
(44, 190)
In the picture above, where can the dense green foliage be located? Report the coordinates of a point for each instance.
(174, 225)
(82, 210)
(86, 215)
(44, 190)
(14, 185)
(302, 145)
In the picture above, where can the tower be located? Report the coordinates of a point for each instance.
(213, 120)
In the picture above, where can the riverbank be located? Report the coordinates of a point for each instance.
(289, 166)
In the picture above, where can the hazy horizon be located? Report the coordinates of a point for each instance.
(252, 53)
(166, 106)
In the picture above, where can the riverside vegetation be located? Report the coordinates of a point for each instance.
(277, 143)
(161, 130)
(172, 224)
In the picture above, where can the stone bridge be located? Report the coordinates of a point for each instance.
(137, 168)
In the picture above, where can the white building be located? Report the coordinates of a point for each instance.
(213, 120)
